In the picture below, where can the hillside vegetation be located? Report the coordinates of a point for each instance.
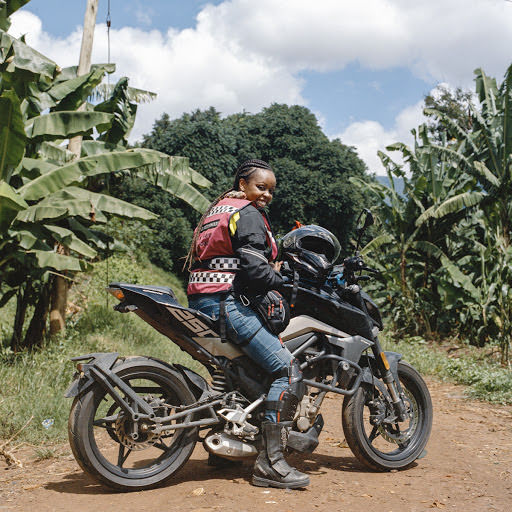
(33, 383)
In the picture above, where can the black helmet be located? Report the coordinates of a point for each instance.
(312, 250)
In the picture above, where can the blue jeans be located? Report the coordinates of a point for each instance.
(264, 348)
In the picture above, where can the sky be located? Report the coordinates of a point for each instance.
(362, 67)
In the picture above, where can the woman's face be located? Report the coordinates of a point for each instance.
(259, 188)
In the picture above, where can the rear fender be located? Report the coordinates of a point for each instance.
(99, 368)
(195, 382)
(82, 381)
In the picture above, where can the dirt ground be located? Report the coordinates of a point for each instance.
(468, 468)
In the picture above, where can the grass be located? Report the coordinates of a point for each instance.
(33, 384)
(484, 378)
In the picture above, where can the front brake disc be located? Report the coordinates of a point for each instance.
(402, 436)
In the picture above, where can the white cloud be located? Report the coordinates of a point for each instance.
(369, 136)
(243, 55)
(438, 39)
(188, 69)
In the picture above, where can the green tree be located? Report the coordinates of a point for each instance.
(312, 171)
(414, 246)
(460, 195)
(455, 104)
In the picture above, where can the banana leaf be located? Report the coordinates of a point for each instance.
(69, 95)
(58, 125)
(60, 262)
(69, 72)
(55, 153)
(39, 212)
(487, 174)
(34, 167)
(451, 205)
(12, 134)
(98, 238)
(464, 281)
(177, 187)
(10, 204)
(507, 118)
(104, 91)
(76, 171)
(32, 238)
(124, 113)
(96, 147)
(67, 238)
(14, 5)
(376, 243)
(28, 59)
(97, 203)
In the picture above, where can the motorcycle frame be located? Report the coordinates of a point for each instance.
(98, 368)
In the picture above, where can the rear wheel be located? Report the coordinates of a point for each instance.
(124, 454)
(383, 445)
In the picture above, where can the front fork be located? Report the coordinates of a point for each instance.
(391, 380)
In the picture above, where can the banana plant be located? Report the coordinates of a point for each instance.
(49, 199)
(485, 153)
(413, 245)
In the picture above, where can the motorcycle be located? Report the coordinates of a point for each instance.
(135, 421)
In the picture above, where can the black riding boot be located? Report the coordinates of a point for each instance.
(270, 468)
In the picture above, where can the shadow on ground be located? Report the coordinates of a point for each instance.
(199, 471)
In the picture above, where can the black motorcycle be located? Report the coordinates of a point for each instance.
(136, 420)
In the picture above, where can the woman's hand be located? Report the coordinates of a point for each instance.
(276, 265)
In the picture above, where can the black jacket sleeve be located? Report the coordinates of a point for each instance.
(250, 245)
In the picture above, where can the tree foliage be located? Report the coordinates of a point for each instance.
(312, 171)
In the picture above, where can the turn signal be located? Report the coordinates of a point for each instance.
(117, 293)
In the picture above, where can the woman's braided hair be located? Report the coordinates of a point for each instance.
(243, 171)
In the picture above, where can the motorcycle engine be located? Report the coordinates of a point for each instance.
(306, 413)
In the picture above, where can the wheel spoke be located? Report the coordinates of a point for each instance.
(122, 456)
(374, 434)
(105, 422)
(161, 445)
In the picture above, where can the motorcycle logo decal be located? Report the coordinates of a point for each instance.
(192, 323)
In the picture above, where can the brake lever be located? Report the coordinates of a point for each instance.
(372, 270)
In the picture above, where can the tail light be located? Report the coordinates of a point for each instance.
(116, 292)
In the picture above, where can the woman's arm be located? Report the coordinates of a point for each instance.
(250, 245)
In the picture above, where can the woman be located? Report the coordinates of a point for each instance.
(232, 254)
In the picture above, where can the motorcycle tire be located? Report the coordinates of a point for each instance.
(100, 434)
(386, 447)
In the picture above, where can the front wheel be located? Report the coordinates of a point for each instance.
(378, 443)
(124, 454)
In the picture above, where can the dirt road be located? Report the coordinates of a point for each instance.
(468, 468)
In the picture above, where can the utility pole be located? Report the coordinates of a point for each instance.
(59, 295)
(84, 64)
